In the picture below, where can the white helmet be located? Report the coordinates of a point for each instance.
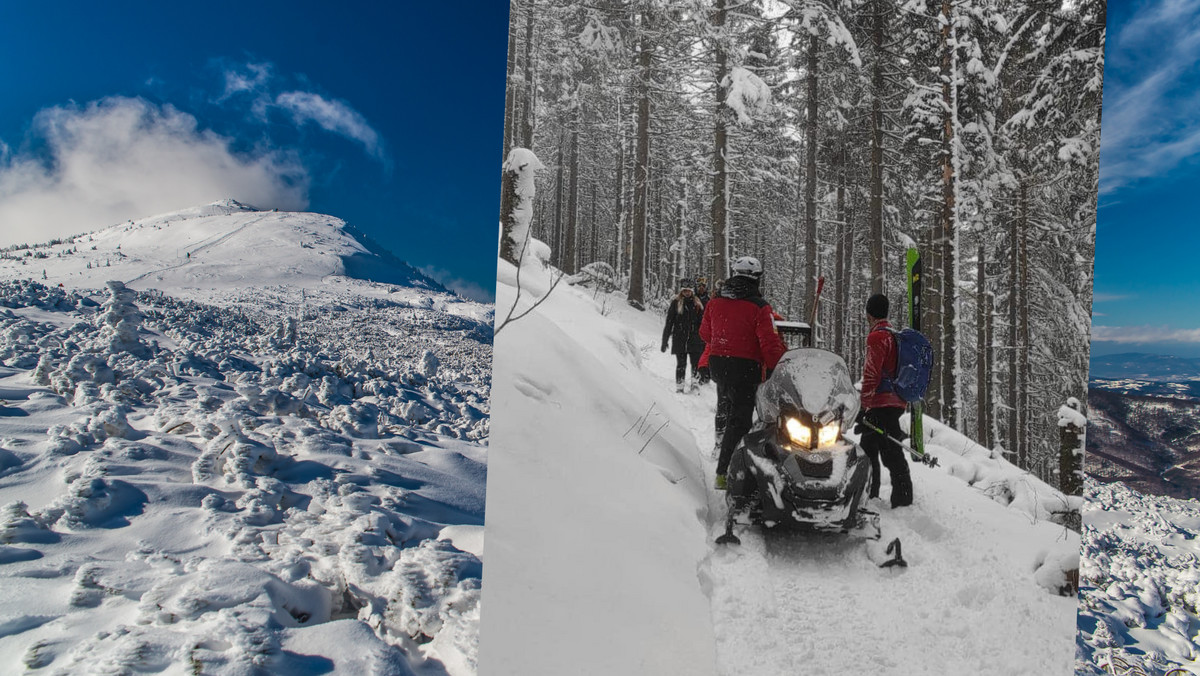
(747, 266)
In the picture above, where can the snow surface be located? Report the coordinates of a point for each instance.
(1139, 583)
(205, 469)
(601, 522)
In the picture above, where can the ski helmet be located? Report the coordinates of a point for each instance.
(747, 266)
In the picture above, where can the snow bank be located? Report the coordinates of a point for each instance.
(596, 506)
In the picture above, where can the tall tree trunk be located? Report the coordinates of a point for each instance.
(842, 277)
(527, 109)
(981, 382)
(1014, 293)
(570, 239)
(876, 214)
(556, 235)
(1023, 411)
(620, 251)
(641, 178)
(592, 228)
(510, 114)
(931, 306)
(810, 180)
(720, 190)
(949, 358)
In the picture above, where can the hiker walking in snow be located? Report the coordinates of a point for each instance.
(881, 406)
(683, 332)
(742, 347)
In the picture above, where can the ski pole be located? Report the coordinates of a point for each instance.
(917, 456)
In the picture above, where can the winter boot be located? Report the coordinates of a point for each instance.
(902, 491)
(679, 386)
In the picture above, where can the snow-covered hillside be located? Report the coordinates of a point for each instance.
(602, 520)
(1139, 601)
(259, 448)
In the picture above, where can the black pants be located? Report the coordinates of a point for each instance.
(681, 362)
(879, 448)
(737, 382)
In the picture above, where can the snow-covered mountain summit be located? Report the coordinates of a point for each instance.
(226, 251)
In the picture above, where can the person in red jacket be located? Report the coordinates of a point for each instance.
(881, 407)
(741, 346)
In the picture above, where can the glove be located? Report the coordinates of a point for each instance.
(664, 347)
(859, 422)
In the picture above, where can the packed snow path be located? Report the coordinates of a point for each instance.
(819, 600)
(602, 520)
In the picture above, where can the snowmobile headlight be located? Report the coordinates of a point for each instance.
(828, 434)
(799, 433)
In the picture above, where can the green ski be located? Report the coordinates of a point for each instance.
(913, 260)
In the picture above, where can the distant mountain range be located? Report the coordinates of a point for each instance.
(1151, 443)
(1143, 366)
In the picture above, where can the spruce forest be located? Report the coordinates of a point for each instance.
(825, 139)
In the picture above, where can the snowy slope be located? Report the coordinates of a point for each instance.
(1139, 583)
(209, 472)
(228, 252)
(601, 521)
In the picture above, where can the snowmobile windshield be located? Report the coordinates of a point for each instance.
(811, 380)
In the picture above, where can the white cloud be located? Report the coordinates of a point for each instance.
(1149, 123)
(121, 158)
(333, 116)
(1144, 334)
(1109, 297)
(252, 78)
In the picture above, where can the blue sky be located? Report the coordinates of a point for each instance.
(1147, 240)
(388, 115)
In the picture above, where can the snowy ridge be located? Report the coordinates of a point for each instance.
(227, 253)
(1139, 583)
(601, 522)
(222, 476)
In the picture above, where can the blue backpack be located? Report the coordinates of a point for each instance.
(914, 362)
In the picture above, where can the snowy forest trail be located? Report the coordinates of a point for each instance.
(786, 599)
(602, 518)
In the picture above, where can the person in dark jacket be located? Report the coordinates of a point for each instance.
(881, 407)
(682, 330)
(702, 292)
(742, 347)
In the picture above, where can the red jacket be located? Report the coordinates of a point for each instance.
(880, 361)
(741, 327)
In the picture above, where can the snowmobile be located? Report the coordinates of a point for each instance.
(796, 468)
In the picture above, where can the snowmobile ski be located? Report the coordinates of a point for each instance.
(897, 559)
